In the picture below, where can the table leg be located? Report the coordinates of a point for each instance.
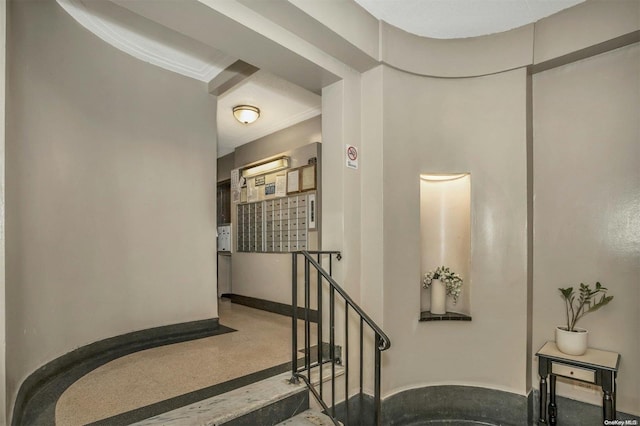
(609, 394)
(607, 404)
(543, 400)
(553, 408)
(614, 394)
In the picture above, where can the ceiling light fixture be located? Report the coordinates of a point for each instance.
(267, 167)
(246, 114)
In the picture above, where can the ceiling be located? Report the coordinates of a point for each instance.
(281, 104)
(462, 18)
(284, 104)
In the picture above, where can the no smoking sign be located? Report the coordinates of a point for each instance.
(352, 157)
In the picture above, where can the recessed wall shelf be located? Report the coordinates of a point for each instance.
(445, 240)
(449, 316)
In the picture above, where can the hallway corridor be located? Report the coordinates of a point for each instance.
(169, 376)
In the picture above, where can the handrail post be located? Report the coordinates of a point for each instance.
(332, 350)
(345, 361)
(377, 387)
(320, 349)
(294, 317)
(307, 320)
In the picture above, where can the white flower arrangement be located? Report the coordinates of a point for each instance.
(451, 280)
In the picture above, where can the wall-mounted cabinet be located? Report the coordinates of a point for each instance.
(277, 225)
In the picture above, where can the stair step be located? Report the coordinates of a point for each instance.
(239, 402)
(310, 417)
(228, 406)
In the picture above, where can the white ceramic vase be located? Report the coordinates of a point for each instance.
(438, 297)
(571, 342)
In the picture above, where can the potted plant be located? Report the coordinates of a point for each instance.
(570, 339)
(443, 282)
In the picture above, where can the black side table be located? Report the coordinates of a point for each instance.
(595, 366)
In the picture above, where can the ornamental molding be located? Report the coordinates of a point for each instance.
(203, 65)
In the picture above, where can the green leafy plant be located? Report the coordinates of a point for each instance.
(585, 301)
(451, 280)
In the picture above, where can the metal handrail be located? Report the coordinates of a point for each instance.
(386, 343)
(382, 341)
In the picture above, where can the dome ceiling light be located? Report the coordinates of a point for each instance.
(246, 114)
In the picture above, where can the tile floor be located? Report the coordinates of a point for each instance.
(262, 340)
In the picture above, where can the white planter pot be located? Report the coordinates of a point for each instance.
(438, 298)
(571, 342)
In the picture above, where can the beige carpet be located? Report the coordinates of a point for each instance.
(263, 340)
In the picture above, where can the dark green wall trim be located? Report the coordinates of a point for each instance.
(576, 413)
(38, 394)
(587, 52)
(455, 403)
(468, 404)
(269, 306)
(361, 409)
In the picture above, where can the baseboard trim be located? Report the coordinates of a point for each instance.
(452, 403)
(38, 394)
(455, 403)
(577, 413)
(269, 306)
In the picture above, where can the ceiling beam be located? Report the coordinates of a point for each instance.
(302, 18)
(230, 77)
(240, 32)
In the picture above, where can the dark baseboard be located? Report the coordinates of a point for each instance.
(577, 413)
(455, 403)
(469, 404)
(269, 306)
(360, 412)
(38, 394)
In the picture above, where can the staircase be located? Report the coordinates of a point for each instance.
(285, 399)
(337, 315)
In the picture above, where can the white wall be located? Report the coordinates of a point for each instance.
(587, 205)
(476, 126)
(110, 192)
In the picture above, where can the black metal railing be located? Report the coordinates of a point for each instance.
(381, 341)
